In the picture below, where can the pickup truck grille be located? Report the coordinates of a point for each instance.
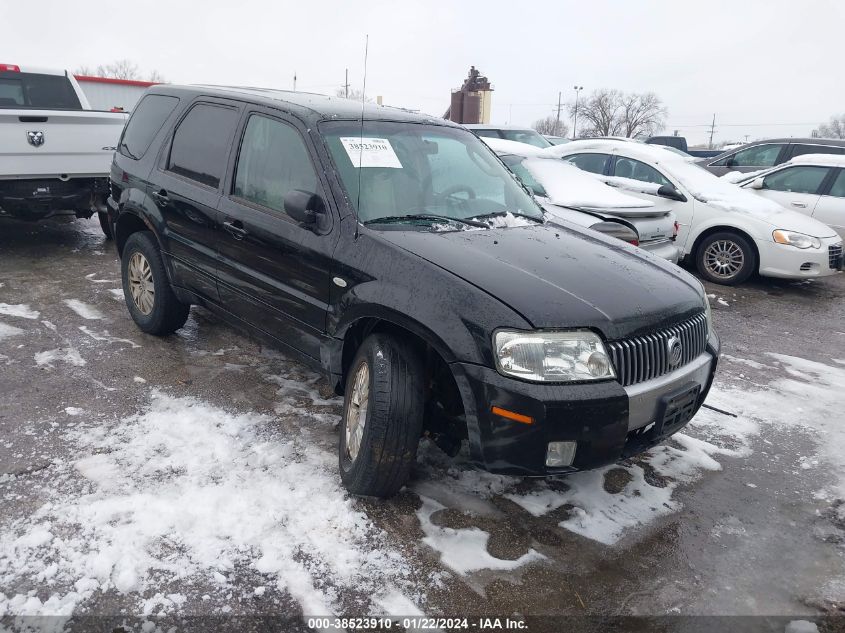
(649, 356)
(835, 254)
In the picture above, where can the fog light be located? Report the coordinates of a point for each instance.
(560, 454)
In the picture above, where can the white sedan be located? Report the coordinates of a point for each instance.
(812, 184)
(728, 232)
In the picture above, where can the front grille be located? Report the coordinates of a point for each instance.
(648, 356)
(835, 255)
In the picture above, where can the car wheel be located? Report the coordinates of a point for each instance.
(149, 297)
(382, 417)
(104, 224)
(726, 258)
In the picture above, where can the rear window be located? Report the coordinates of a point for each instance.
(147, 119)
(201, 143)
(34, 90)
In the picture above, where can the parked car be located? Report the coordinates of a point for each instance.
(55, 151)
(556, 140)
(570, 194)
(769, 153)
(510, 133)
(727, 232)
(397, 255)
(812, 184)
(678, 142)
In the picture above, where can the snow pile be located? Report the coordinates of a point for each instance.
(68, 355)
(834, 160)
(508, 220)
(567, 185)
(737, 176)
(8, 330)
(83, 309)
(21, 310)
(186, 489)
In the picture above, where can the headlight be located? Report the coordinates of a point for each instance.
(798, 240)
(552, 356)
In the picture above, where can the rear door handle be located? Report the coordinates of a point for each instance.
(800, 205)
(160, 197)
(236, 229)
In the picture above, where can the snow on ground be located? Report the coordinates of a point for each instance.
(8, 330)
(85, 310)
(104, 336)
(188, 490)
(21, 310)
(68, 355)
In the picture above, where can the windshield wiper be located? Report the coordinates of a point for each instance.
(501, 214)
(425, 216)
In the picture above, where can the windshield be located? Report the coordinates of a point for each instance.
(34, 90)
(413, 169)
(526, 136)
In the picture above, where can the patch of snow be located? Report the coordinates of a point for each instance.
(801, 626)
(508, 220)
(504, 146)
(722, 302)
(108, 338)
(68, 355)
(629, 184)
(139, 380)
(737, 176)
(464, 550)
(186, 489)
(832, 160)
(49, 325)
(21, 310)
(83, 309)
(117, 293)
(8, 330)
(74, 410)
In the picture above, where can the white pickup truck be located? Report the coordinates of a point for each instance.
(55, 152)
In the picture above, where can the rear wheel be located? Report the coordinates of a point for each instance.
(382, 417)
(726, 258)
(104, 224)
(149, 297)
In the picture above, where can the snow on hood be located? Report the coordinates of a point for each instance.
(567, 185)
(504, 146)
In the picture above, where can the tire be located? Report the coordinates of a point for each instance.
(726, 258)
(393, 418)
(104, 224)
(160, 312)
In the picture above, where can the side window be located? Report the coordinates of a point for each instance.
(757, 156)
(636, 170)
(799, 149)
(201, 143)
(272, 162)
(593, 163)
(145, 122)
(838, 188)
(796, 179)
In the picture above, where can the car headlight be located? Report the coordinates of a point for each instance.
(798, 240)
(544, 356)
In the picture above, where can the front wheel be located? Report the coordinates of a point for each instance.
(382, 417)
(726, 258)
(151, 301)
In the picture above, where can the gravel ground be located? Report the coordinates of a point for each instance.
(195, 475)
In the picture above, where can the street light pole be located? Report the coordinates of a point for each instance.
(578, 89)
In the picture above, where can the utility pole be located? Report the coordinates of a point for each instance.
(346, 84)
(746, 137)
(712, 129)
(578, 89)
(294, 81)
(557, 128)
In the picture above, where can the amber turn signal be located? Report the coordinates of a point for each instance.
(510, 415)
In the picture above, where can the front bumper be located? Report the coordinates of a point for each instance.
(788, 262)
(609, 422)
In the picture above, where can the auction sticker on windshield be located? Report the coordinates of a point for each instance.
(372, 152)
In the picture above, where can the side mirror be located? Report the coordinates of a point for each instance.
(669, 191)
(305, 207)
(757, 183)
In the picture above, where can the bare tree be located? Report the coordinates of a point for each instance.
(84, 71)
(614, 113)
(551, 126)
(120, 69)
(156, 77)
(835, 128)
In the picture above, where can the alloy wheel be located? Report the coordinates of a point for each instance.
(724, 259)
(356, 412)
(141, 284)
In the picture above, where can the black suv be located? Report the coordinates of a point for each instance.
(396, 253)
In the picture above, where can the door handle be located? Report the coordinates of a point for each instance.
(235, 229)
(160, 197)
(800, 205)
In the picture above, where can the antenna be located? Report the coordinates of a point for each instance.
(361, 138)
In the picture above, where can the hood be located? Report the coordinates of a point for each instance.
(563, 276)
(794, 221)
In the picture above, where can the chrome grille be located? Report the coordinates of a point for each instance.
(835, 254)
(645, 357)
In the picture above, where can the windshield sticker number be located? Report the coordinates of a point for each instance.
(372, 152)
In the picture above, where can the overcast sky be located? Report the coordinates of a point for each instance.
(765, 68)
